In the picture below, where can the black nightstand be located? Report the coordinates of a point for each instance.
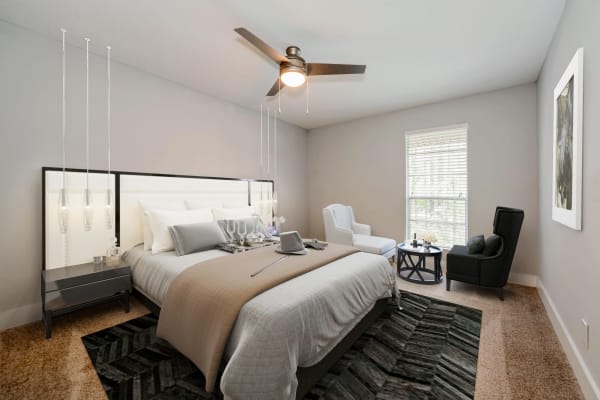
(72, 288)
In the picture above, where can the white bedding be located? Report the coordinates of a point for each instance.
(293, 324)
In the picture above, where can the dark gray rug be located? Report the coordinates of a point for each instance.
(426, 351)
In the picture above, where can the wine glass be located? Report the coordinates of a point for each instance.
(242, 232)
(230, 229)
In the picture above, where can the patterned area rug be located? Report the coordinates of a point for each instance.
(426, 351)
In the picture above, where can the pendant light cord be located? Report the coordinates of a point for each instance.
(268, 142)
(108, 116)
(274, 146)
(261, 142)
(87, 116)
(64, 107)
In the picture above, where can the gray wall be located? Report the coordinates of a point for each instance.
(569, 266)
(158, 126)
(362, 163)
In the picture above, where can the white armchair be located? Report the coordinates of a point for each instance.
(342, 228)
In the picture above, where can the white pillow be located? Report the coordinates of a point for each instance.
(160, 220)
(233, 213)
(156, 204)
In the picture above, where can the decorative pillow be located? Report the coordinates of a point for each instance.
(161, 220)
(233, 213)
(192, 238)
(475, 244)
(156, 204)
(492, 245)
(250, 226)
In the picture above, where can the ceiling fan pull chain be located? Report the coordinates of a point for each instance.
(279, 94)
(307, 95)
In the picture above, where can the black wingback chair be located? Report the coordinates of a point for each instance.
(489, 271)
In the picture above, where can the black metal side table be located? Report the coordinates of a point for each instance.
(72, 288)
(412, 264)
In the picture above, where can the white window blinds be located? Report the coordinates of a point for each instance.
(436, 176)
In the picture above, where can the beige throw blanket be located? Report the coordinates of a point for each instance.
(203, 302)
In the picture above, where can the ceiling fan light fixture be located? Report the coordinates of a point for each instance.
(293, 76)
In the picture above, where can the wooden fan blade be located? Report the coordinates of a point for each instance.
(262, 46)
(275, 88)
(334, 69)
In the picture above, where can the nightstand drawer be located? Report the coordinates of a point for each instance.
(64, 298)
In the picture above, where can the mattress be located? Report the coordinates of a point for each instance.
(294, 324)
(152, 273)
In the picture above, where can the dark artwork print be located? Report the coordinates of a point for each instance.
(426, 351)
(564, 148)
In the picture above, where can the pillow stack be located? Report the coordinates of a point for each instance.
(185, 227)
(485, 246)
(161, 220)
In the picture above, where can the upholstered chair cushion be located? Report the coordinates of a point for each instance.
(343, 217)
(373, 244)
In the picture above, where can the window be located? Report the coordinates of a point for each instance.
(436, 184)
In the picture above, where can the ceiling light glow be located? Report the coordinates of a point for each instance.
(293, 78)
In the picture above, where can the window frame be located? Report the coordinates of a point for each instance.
(408, 197)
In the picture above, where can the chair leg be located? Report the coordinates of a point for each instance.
(501, 293)
(448, 282)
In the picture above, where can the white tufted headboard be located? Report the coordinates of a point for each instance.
(204, 191)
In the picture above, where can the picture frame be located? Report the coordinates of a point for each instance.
(568, 145)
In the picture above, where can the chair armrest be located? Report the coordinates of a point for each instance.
(361, 229)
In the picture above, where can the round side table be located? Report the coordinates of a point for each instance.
(412, 264)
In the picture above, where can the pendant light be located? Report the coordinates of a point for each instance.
(88, 210)
(63, 208)
(110, 208)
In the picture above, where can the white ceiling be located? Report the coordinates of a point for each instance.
(416, 52)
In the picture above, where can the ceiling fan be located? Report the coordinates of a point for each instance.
(293, 69)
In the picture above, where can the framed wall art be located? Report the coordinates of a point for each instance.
(567, 145)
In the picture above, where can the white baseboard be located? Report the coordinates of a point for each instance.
(20, 316)
(582, 373)
(519, 278)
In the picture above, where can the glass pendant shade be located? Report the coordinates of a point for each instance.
(88, 210)
(109, 210)
(63, 211)
(275, 203)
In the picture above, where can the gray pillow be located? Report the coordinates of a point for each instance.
(475, 244)
(192, 238)
(492, 245)
(249, 222)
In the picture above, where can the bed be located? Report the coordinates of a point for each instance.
(295, 324)
(285, 338)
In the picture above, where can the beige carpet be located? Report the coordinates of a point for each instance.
(520, 356)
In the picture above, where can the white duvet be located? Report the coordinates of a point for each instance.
(292, 325)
